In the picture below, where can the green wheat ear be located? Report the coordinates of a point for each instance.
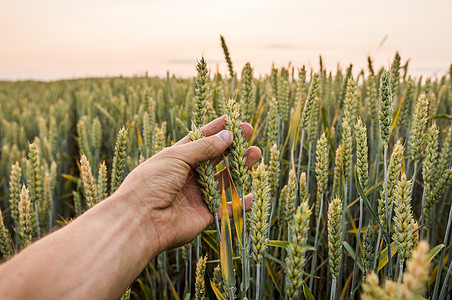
(200, 287)
(395, 74)
(89, 183)
(96, 134)
(350, 101)
(83, 136)
(25, 217)
(274, 169)
(369, 240)
(385, 107)
(431, 155)
(207, 181)
(418, 124)
(435, 193)
(292, 191)
(34, 172)
(260, 213)
(282, 208)
(347, 151)
(374, 106)
(303, 188)
(337, 170)
(202, 92)
(362, 167)
(274, 81)
(283, 99)
(77, 203)
(227, 56)
(370, 65)
(238, 146)
(402, 219)
(446, 150)
(218, 279)
(314, 120)
(14, 192)
(335, 229)
(119, 160)
(6, 245)
(298, 242)
(160, 138)
(407, 105)
(307, 110)
(321, 166)
(247, 95)
(102, 177)
(394, 172)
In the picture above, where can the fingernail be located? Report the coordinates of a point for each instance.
(225, 136)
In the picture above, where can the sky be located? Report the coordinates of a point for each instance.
(49, 39)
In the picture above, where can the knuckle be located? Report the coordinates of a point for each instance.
(208, 147)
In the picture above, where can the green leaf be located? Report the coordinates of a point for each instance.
(272, 274)
(278, 261)
(310, 248)
(106, 114)
(70, 178)
(358, 286)
(145, 289)
(352, 254)
(226, 254)
(433, 252)
(441, 116)
(396, 116)
(237, 211)
(175, 295)
(280, 244)
(211, 241)
(443, 267)
(384, 256)
(307, 292)
(216, 291)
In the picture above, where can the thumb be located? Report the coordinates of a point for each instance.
(205, 148)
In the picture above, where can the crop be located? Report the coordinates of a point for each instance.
(367, 151)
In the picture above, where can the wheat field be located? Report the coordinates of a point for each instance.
(351, 199)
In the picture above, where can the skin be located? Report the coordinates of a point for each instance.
(158, 207)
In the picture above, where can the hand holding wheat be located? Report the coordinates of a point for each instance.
(167, 186)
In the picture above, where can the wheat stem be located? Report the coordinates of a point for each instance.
(300, 152)
(388, 220)
(316, 245)
(333, 289)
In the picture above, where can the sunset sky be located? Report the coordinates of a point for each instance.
(48, 39)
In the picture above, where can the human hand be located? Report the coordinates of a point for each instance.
(166, 184)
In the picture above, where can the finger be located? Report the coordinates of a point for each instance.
(248, 203)
(247, 131)
(252, 154)
(216, 126)
(209, 129)
(203, 149)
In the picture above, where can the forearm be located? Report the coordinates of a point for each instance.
(96, 256)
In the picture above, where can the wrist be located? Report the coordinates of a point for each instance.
(139, 218)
